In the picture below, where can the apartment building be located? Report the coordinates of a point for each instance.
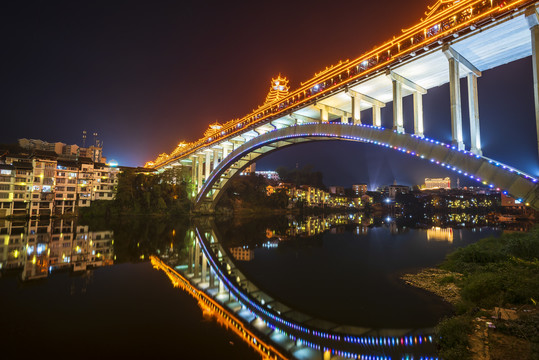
(42, 183)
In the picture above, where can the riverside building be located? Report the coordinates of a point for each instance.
(40, 183)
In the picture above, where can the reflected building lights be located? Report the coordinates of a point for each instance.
(39, 247)
(440, 234)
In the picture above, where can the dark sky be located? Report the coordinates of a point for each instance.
(148, 74)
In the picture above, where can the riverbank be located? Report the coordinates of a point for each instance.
(437, 281)
(494, 287)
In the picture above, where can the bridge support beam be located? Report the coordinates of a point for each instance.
(190, 264)
(236, 144)
(456, 109)
(333, 110)
(418, 91)
(200, 175)
(197, 259)
(473, 107)
(398, 122)
(356, 110)
(357, 98)
(221, 286)
(455, 60)
(204, 268)
(226, 150)
(418, 114)
(194, 171)
(212, 278)
(207, 163)
(324, 115)
(533, 22)
(216, 153)
(301, 118)
(376, 116)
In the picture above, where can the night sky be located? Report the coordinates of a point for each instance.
(148, 74)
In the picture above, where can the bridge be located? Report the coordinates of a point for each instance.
(456, 39)
(209, 273)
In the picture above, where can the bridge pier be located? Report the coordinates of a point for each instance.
(207, 163)
(456, 109)
(398, 122)
(226, 150)
(204, 268)
(215, 157)
(324, 115)
(455, 60)
(356, 110)
(473, 107)
(200, 175)
(418, 114)
(221, 286)
(197, 259)
(194, 171)
(376, 116)
(533, 22)
(190, 263)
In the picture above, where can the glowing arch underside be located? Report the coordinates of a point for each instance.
(482, 169)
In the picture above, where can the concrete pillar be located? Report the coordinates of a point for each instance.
(473, 106)
(356, 110)
(200, 176)
(418, 114)
(197, 259)
(456, 109)
(376, 116)
(533, 23)
(191, 260)
(226, 150)
(398, 122)
(215, 158)
(204, 267)
(236, 144)
(324, 116)
(194, 171)
(207, 169)
(344, 119)
(212, 278)
(221, 286)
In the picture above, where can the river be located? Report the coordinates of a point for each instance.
(73, 287)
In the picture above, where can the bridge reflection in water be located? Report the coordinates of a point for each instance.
(209, 274)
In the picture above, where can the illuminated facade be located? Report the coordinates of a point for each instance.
(270, 175)
(313, 197)
(437, 183)
(42, 184)
(359, 189)
(242, 253)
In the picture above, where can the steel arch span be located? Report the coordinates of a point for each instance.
(482, 169)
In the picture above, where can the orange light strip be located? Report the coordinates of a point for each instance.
(222, 315)
(409, 34)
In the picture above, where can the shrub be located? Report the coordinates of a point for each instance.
(452, 334)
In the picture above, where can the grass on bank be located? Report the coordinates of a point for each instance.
(497, 272)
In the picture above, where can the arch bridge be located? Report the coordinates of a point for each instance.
(456, 39)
